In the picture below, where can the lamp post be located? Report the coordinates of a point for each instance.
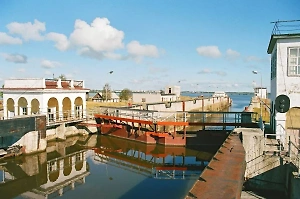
(106, 87)
(256, 72)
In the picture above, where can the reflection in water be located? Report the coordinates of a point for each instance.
(110, 168)
(44, 175)
(105, 167)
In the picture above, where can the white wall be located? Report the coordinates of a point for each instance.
(25, 83)
(150, 97)
(282, 83)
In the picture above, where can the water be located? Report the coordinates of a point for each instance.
(104, 167)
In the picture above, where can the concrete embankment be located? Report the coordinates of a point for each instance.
(268, 172)
(197, 104)
(26, 135)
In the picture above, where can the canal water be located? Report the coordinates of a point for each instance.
(104, 167)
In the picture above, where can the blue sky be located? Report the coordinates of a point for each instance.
(198, 45)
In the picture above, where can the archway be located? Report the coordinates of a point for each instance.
(53, 168)
(35, 106)
(67, 166)
(66, 108)
(10, 108)
(78, 107)
(22, 106)
(53, 109)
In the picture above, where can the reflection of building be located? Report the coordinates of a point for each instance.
(40, 178)
(58, 99)
(151, 160)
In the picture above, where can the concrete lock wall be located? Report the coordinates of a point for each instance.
(12, 130)
(215, 104)
(267, 172)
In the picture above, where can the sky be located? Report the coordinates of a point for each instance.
(199, 45)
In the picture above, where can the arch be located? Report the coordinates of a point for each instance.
(35, 106)
(10, 107)
(67, 166)
(22, 106)
(53, 109)
(79, 165)
(293, 118)
(53, 168)
(78, 103)
(66, 107)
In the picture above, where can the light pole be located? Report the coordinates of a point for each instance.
(106, 87)
(256, 72)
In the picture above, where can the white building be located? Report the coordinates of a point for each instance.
(285, 75)
(261, 92)
(99, 97)
(146, 97)
(173, 90)
(171, 93)
(58, 99)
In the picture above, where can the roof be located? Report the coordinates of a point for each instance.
(274, 38)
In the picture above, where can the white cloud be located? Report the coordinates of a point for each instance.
(209, 51)
(49, 64)
(15, 58)
(21, 70)
(100, 40)
(135, 49)
(208, 71)
(99, 36)
(253, 59)
(6, 39)
(62, 42)
(204, 71)
(232, 54)
(28, 31)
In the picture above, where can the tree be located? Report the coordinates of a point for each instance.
(125, 94)
(1, 93)
(106, 92)
(62, 77)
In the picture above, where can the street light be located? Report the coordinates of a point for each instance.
(106, 87)
(256, 72)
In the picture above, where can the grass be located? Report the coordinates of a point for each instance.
(91, 104)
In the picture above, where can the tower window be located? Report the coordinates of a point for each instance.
(294, 61)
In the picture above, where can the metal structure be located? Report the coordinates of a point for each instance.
(168, 128)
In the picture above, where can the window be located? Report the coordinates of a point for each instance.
(143, 99)
(24, 110)
(273, 64)
(294, 61)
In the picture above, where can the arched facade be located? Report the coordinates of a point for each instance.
(67, 167)
(58, 100)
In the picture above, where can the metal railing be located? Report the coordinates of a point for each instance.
(180, 116)
(286, 27)
(293, 153)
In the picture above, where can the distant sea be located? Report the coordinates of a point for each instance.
(239, 100)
